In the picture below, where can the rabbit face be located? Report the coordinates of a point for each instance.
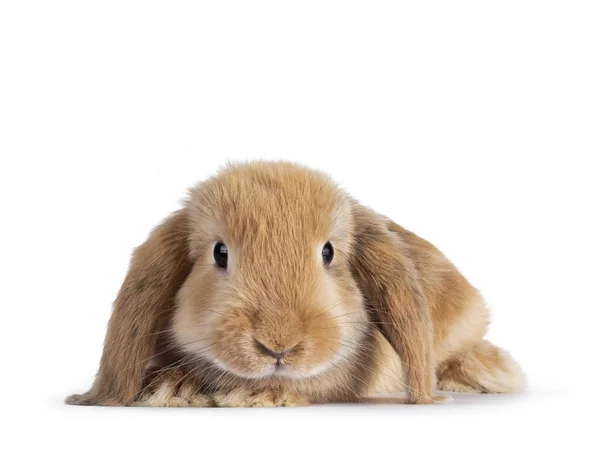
(271, 293)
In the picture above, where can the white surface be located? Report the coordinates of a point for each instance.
(474, 124)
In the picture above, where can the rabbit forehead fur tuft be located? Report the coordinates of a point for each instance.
(276, 292)
(260, 201)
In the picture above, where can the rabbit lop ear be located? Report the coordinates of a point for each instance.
(158, 269)
(382, 266)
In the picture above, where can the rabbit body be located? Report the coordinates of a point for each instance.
(273, 287)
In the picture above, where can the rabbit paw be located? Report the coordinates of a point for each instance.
(171, 388)
(244, 398)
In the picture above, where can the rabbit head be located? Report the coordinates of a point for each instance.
(270, 293)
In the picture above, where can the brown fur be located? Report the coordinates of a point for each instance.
(158, 268)
(389, 313)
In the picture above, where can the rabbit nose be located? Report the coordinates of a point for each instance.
(270, 352)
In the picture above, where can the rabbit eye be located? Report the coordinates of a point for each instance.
(327, 253)
(220, 254)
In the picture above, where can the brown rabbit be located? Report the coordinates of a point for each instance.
(274, 287)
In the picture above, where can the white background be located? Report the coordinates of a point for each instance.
(474, 124)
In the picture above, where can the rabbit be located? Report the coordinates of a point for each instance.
(272, 286)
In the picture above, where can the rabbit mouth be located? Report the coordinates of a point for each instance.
(277, 370)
